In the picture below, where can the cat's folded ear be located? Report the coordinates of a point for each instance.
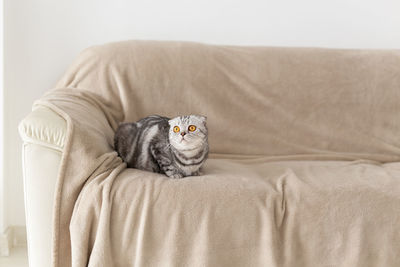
(202, 118)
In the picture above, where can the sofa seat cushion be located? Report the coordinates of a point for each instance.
(243, 212)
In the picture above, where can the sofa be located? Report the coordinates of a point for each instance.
(304, 164)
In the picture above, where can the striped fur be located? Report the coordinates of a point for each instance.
(151, 144)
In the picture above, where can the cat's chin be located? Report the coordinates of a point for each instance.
(184, 146)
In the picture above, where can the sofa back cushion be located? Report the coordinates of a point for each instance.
(258, 100)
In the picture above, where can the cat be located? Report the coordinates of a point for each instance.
(176, 147)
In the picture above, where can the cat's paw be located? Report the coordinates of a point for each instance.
(197, 173)
(174, 175)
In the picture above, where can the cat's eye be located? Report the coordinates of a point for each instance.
(176, 129)
(192, 128)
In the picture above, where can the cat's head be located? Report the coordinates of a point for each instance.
(188, 132)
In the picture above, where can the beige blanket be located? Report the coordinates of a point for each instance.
(303, 171)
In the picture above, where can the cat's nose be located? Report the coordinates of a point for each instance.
(183, 133)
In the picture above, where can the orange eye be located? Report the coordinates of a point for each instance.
(192, 128)
(176, 129)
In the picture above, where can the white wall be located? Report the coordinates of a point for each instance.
(2, 206)
(43, 36)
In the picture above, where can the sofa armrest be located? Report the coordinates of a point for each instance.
(43, 133)
(44, 127)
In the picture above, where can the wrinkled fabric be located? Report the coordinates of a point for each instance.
(303, 169)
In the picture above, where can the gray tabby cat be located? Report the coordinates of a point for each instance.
(177, 147)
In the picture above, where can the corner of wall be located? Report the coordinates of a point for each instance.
(12, 237)
(6, 241)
